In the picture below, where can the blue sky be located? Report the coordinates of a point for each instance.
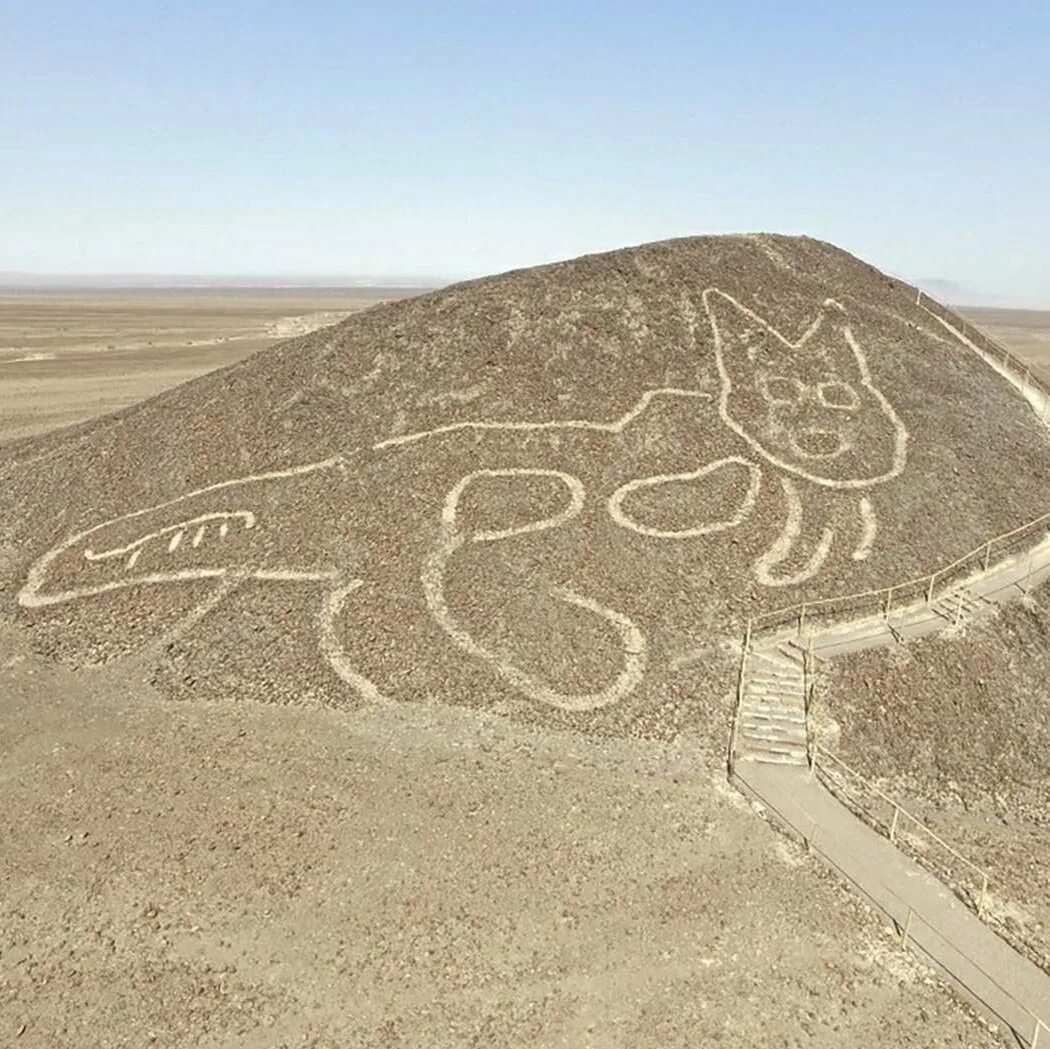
(456, 139)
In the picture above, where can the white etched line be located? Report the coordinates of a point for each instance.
(616, 426)
(869, 528)
(572, 484)
(198, 536)
(224, 529)
(333, 650)
(173, 543)
(130, 563)
(31, 595)
(624, 520)
(733, 325)
(789, 535)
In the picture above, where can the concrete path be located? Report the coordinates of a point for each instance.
(963, 948)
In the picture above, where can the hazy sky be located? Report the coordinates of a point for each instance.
(452, 139)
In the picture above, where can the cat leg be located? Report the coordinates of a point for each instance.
(768, 567)
(454, 538)
(334, 651)
(869, 526)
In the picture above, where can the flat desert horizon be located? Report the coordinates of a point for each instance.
(69, 354)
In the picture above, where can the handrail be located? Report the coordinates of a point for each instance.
(1024, 369)
(929, 584)
(1039, 1026)
(900, 810)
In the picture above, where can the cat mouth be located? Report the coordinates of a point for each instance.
(817, 444)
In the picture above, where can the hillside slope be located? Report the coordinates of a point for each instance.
(554, 493)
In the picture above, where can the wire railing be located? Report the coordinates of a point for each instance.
(899, 818)
(916, 931)
(1006, 358)
(909, 833)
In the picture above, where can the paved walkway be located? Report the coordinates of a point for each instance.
(944, 929)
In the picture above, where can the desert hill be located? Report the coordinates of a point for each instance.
(553, 493)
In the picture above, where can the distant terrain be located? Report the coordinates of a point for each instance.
(1026, 332)
(69, 354)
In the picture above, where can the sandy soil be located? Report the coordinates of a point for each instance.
(187, 874)
(1027, 332)
(68, 355)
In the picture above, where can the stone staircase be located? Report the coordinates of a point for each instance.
(772, 717)
(959, 604)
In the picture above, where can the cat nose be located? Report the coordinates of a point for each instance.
(812, 443)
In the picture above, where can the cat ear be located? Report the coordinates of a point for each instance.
(736, 329)
(830, 335)
(832, 317)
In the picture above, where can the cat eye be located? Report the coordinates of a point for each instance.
(839, 395)
(780, 389)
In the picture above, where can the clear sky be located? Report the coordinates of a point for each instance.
(452, 139)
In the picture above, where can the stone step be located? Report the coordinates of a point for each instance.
(775, 715)
(774, 734)
(784, 684)
(778, 691)
(794, 656)
(775, 753)
(779, 704)
(758, 674)
(773, 660)
(952, 604)
(764, 759)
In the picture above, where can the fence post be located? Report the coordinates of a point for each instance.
(893, 826)
(987, 555)
(981, 903)
(1035, 1033)
(918, 296)
(1028, 577)
(907, 928)
(886, 606)
(801, 618)
(929, 589)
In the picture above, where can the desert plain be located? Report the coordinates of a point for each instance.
(178, 873)
(68, 354)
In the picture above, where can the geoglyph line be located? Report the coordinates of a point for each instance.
(617, 513)
(722, 336)
(781, 549)
(616, 426)
(452, 539)
(869, 523)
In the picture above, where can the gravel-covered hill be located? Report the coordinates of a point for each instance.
(554, 493)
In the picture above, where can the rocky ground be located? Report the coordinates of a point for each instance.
(241, 875)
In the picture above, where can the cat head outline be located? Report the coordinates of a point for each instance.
(809, 406)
